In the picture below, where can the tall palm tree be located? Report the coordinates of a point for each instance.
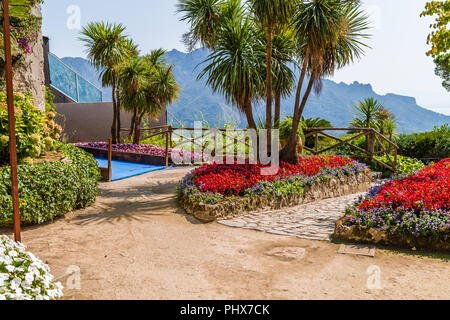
(329, 34)
(233, 69)
(271, 16)
(107, 46)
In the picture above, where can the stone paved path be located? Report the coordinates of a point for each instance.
(314, 221)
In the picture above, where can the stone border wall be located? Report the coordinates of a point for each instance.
(363, 234)
(233, 206)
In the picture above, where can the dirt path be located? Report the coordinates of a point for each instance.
(135, 243)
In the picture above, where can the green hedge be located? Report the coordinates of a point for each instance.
(428, 145)
(51, 189)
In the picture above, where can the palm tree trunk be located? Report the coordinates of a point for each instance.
(114, 124)
(137, 133)
(277, 109)
(288, 153)
(249, 114)
(269, 87)
(133, 121)
(119, 124)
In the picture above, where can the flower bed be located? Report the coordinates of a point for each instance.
(23, 276)
(412, 211)
(215, 190)
(143, 149)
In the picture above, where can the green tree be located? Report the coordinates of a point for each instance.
(271, 15)
(367, 112)
(329, 36)
(107, 47)
(148, 86)
(232, 69)
(439, 38)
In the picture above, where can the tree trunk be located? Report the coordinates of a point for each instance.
(289, 153)
(119, 124)
(269, 87)
(249, 114)
(133, 122)
(114, 124)
(137, 133)
(277, 110)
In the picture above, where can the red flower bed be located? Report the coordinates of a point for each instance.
(235, 179)
(429, 189)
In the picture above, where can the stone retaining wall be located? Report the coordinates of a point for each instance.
(363, 234)
(234, 206)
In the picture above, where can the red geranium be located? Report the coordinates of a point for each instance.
(234, 179)
(428, 189)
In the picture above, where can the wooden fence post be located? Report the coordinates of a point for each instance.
(167, 148)
(371, 143)
(316, 142)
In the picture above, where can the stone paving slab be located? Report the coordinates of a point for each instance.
(313, 221)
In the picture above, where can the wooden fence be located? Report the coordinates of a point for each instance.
(375, 145)
(374, 139)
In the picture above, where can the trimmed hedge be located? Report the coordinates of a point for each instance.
(51, 189)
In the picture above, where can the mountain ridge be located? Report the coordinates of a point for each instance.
(334, 104)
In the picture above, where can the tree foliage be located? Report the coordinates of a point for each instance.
(439, 38)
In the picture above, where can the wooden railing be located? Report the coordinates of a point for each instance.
(374, 139)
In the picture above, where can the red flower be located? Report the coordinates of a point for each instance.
(234, 179)
(428, 189)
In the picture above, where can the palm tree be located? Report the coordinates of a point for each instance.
(107, 46)
(233, 69)
(133, 75)
(271, 15)
(203, 18)
(152, 87)
(328, 34)
(367, 113)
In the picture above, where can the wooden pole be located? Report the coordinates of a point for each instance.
(110, 160)
(11, 121)
(167, 148)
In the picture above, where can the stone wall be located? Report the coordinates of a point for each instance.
(337, 187)
(30, 75)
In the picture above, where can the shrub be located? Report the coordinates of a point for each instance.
(51, 189)
(427, 145)
(405, 165)
(286, 129)
(23, 276)
(34, 128)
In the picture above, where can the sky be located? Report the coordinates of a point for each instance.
(395, 63)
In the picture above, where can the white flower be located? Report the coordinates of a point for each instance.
(11, 284)
(10, 268)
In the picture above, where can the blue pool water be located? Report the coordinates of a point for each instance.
(122, 169)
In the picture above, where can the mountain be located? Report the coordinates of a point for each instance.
(334, 104)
